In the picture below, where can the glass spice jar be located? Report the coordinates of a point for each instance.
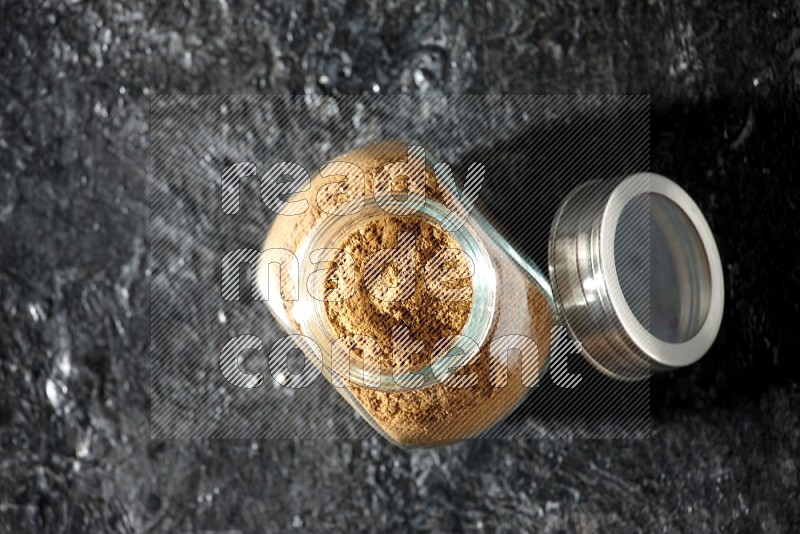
(433, 327)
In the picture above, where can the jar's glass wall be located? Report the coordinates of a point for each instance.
(505, 342)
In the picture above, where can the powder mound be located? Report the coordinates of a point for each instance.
(395, 294)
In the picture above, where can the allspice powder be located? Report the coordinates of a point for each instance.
(422, 315)
(360, 168)
(439, 414)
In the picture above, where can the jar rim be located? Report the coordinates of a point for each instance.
(313, 320)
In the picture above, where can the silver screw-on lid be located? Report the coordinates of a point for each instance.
(636, 275)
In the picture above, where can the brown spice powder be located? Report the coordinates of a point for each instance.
(440, 414)
(351, 175)
(426, 316)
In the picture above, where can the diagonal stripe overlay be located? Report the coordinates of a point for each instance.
(533, 151)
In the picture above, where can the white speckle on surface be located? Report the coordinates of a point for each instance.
(64, 363)
(297, 522)
(223, 6)
(756, 82)
(100, 110)
(119, 326)
(105, 37)
(56, 392)
(83, 445)
(329, 109)
(420, 80)
(358, 116)
(221, 317)
(376, 88)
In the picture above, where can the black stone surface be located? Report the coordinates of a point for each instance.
(75, 83)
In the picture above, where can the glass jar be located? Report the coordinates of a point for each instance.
(433, 327)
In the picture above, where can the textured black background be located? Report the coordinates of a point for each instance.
(75, 82)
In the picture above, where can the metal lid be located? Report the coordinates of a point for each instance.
(636, 275)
